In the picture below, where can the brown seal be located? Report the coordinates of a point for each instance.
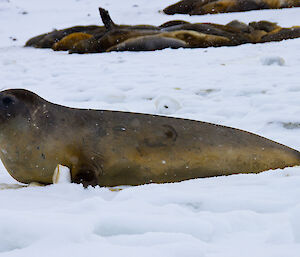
(172, 34)
(110, 148)
(148, 43)
(174, 39)
(68, 42)
(48, 39)
(200, 7)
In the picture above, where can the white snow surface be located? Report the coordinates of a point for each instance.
(251, 87)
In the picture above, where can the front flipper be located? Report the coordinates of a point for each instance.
(62, 174)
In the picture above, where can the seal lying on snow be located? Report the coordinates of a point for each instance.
(200, 7)
(110, 148)
(172, 34)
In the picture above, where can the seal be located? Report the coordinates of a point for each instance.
(172, 34)
(201, 7)
(174, 39)
(68, 42)
(47, 40)
(110, 148)
(148, 43)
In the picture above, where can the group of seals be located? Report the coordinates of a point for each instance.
(200, 7)
(172, 34)
(110, 148)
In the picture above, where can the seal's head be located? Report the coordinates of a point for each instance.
(17, 107)
(19, 132)
(12, 105)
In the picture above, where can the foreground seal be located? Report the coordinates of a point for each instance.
(110, 148)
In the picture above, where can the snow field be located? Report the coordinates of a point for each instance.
(251, 87)
(210, 217)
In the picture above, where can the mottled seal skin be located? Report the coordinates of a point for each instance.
(264, 25)
(236, 36)
(110, 148)
(173, 39)
(282, 34)
(200, 7)
(68, 42)
(172, 34)
(48, 39)
(148, 43)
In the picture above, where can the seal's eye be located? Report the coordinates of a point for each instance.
(7, 101)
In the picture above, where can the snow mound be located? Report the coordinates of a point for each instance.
(273, 60)
(166, 105)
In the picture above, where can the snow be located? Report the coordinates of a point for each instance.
(272, 60)
(251, 87)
